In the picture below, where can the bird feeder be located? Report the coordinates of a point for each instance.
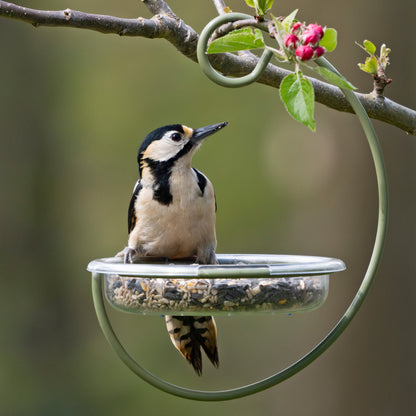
(240, 283)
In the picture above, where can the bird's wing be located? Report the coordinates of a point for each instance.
(202, 183)
(132, 214)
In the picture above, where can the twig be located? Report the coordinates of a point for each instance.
(165, 24)
(158, 7)
(239, 24)
(380, 82)
(220, 6)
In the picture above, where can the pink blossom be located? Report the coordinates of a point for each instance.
(318, 51)
(316, 28)
(310, 36)
(296, 26)
(313, 34)
(291, 40)
(304, 52)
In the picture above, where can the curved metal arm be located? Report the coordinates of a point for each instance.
(210, 71)
(334, 333)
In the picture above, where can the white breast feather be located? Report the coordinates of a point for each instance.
(184, 228)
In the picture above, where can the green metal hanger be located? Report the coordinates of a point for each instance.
(368, 279)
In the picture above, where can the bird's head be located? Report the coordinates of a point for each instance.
(173, 142)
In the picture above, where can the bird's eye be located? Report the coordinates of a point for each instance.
(176, 137)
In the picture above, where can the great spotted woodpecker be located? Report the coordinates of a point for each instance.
(172, 215)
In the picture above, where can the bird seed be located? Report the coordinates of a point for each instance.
(218, 296)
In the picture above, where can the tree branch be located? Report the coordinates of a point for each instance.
(220, 6)
(165, 24)
(158, 7)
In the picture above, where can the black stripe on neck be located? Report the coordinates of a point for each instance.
(162, 171)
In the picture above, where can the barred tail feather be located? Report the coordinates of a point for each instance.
(189, 333)
(207, 332)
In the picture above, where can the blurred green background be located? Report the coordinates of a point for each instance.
(74, 106)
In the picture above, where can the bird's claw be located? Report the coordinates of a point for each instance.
(129, 254)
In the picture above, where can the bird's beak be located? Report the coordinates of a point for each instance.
(200, 134)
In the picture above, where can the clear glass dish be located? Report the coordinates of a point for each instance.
(240, 283)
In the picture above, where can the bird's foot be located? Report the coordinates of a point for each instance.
(129, 254)
(207, 257)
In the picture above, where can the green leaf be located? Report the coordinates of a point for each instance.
(384, 55)
(370, 66)
(369, 47)
(297, 95)
(281, 30)
(334, 78)
(261, 6)
(237, 40)
(268, 5)
(362, 67)
(329, 41)
(384, 50)
(288, 20)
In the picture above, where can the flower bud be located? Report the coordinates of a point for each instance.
(296, 26)
(313, 34)
(318, 51)
(291, 41)
(304, 52)
(316, 28)
(310, 36)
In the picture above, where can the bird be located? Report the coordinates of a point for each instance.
(172, 215)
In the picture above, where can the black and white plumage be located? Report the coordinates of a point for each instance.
(172, 215)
